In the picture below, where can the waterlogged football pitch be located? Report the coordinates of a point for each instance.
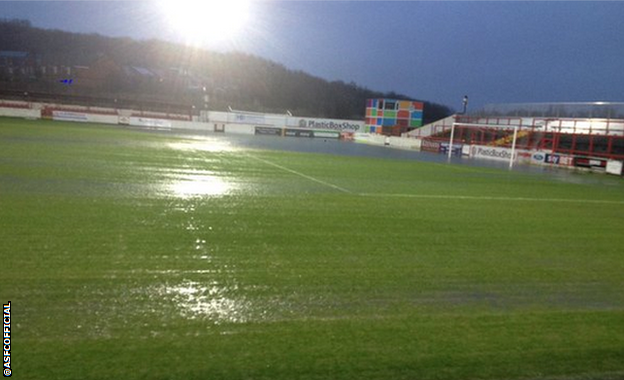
(132, 255)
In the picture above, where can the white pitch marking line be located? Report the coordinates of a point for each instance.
(302, 175)
(468, 197)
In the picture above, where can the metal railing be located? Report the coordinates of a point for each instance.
(604, 110)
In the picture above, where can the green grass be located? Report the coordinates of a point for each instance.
(131, 255)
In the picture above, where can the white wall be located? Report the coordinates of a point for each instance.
(405, 143)
(191, 125)
(429, 129)
(392, 141)
(370, 138)
(18, 108)
(104, 119)
(21, 112)
(244, 129)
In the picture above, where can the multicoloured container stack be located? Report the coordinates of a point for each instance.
(392, 116)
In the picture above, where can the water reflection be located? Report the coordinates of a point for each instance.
(205, 145)
(212, 301)
(193, 185)
(186, 183)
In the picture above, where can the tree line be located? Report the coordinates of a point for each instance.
(193, 75)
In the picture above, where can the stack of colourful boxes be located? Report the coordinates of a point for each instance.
(392, 116)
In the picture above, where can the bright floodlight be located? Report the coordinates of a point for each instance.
(206, 21)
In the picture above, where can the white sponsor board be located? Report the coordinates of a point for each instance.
(326, 134)
(21, 112)
(242, 118)
(614, 167)
(152, 123)
(465, 150)
(491, 153)
(69, 116)
(243, 129)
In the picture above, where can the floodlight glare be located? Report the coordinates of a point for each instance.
(205, 22)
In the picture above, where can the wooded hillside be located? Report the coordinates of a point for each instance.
(38, 60)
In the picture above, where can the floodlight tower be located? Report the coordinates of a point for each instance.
(450, 146)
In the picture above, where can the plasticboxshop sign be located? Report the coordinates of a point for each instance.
(327, 124)
(492, 153)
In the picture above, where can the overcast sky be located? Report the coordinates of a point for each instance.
(494, 52)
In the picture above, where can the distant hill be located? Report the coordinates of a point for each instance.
(159, 71)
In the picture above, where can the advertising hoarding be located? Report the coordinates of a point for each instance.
(614, 167)
(268, 131)
(559, 159)
(153, 123)
(430, 146)
(456, 149)
(492, 153)
(326, 124)
(594, 163)
(298, 133)
(69, 116)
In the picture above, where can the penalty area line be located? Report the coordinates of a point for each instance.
(301, 174)
(477, 198)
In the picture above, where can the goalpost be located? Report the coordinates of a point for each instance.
(494, 126)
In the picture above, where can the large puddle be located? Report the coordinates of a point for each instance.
(229, 143)
(194, 185)
(204, 144)
(212, 301)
